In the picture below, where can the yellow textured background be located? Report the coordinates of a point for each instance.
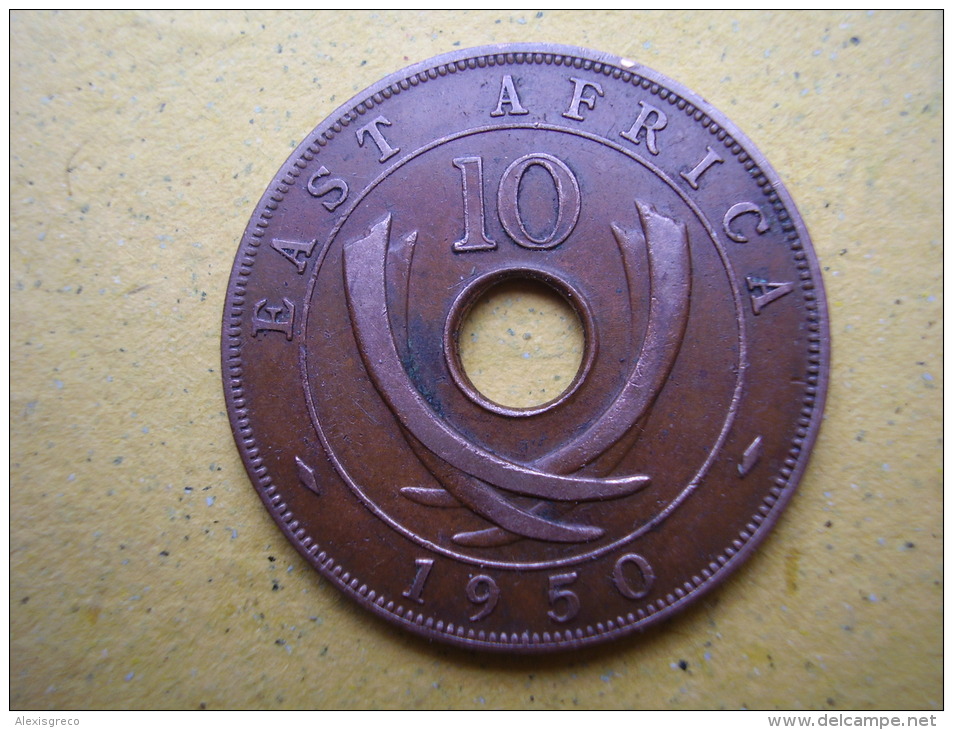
(145, 572)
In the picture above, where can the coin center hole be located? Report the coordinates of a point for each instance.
(521, 343)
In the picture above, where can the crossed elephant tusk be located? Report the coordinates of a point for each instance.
(478, 478)
(670, 285)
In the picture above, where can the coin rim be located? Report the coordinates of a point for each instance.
(628, 71)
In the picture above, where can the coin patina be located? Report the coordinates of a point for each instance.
(640, 485)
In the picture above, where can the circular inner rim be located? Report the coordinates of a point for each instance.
(689, 488)
(468, 298)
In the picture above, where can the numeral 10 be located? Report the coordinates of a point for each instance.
(475, 236)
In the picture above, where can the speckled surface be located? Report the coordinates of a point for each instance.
(144, 572)
(521, 345)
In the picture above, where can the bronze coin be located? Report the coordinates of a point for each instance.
(665, 461)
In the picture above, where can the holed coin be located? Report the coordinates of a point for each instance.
(635, 489)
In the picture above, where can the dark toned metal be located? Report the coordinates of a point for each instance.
(681, 438)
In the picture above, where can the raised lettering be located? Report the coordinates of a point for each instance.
(558, 593)
(508, 97)
(579, 88)
(740, 209)
(416, 589)
(373, 128)
(629, 585)
(475, 237)
(765, 292)
(711, 159)
(567, 201)
(651, 125)
(328, 186)
(482, 589)
(296, 252)
(273, 318)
